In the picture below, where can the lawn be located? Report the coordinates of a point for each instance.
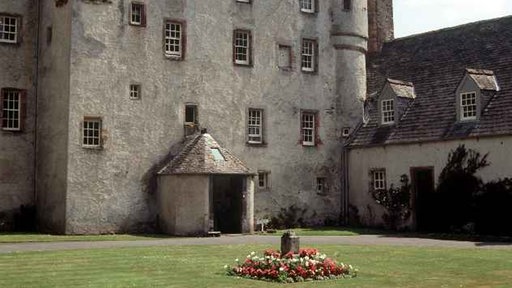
(202, 266)
(36, 237)
(328, 231)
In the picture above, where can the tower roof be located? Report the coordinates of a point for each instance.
(203, 155)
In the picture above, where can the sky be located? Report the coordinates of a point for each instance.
(417, 16)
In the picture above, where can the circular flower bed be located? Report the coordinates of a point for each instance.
(308, 265)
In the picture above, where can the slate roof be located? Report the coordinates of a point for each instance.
(435, 63)
(402, 89)
(203, 155)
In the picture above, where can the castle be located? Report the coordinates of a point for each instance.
(101, 90)
(104, 101)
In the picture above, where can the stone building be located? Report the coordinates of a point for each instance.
(428, 94)
(103, 93)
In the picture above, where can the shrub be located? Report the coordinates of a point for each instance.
(493, 208)
(396, 201)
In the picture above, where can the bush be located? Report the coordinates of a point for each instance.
(396, 201)
(493, 208)
(291, 217)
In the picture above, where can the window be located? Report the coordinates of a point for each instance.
(347, 5)
(217, 155)
(284, 61)
(255, 126)
(138, 14)
(468, 106)
(345, 132)
(308, 55)
(135, 91)
(321, 185)
(91, 132)
(191, 114)
(308, 128)
(174, 39)
(263, 179)
(12, 107)
(244, 1)
(388, 111)
(8, 29)
(242, 47)
(307, 6)
(379, 179)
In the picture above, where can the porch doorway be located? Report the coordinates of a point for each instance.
(424, 200)
(227, 203)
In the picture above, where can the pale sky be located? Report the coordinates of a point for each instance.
(417, 16)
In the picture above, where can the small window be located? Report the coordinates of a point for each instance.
(321, 185)
(49, 35)
(347, 5)
(468, 106)
(138, 14)
(388, 111)
(12, 108)
(308, 128)
(244, 1)
(174, 35)
(263, 179)
(191, 114)
(308, 55)
(242, 47)
(255, 126)
(217, 155)
(307, 6)
(284, 57)
(91, 132)
(379, 179)
(8, 29)
(345, 132)
(135, 91)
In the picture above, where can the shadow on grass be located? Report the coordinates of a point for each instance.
(483, 240)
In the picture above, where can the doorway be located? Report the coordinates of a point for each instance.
(227, 203)
(424, 200)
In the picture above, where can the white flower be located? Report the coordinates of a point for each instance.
(236, 260)
(253, 253)
(226, 266)
(306, 258)
(281, 269)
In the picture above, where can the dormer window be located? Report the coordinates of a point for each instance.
(468, 106)
(388, 111)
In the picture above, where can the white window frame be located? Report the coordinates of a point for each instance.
(307, 6)
(308, 128)
(387, 107)
(135, 91)
(308, 53)
(6, 29)
(11, 106)
(255, 126)
(468, 110)
(242, 47)
(90, 139)
(136, 10)
(263, 179)
(173, 39)
(379, 179)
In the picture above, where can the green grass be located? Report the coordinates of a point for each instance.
(202, 266)
(35, 237)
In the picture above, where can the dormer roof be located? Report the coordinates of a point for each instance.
(435, 62)
(402, 88)
(485, 79)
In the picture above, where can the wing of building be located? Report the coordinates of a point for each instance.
(428, 94)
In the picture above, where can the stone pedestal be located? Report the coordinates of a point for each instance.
(289, 242)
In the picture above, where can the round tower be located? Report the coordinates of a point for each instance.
(349, 36)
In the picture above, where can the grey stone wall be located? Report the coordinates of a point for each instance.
(18, 62)
(109, 190)
(380, 23)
